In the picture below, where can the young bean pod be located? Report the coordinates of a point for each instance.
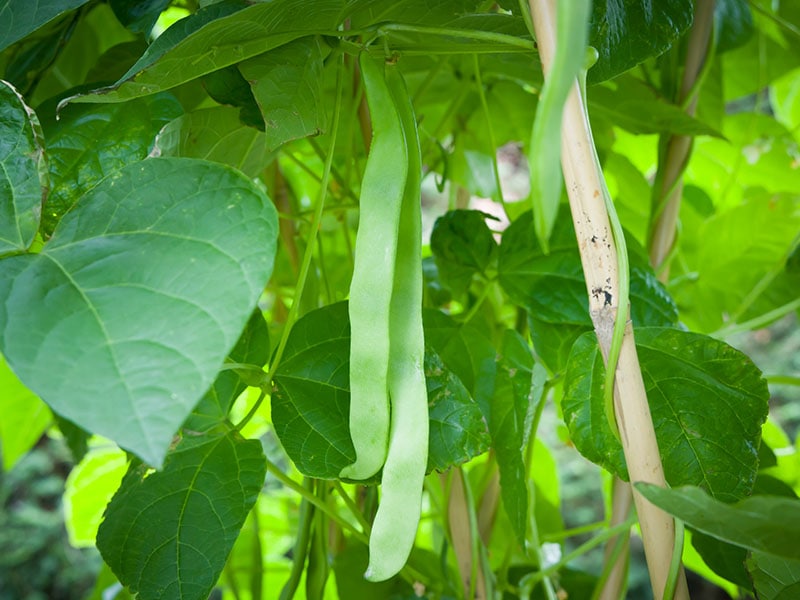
(395, 525)
(382, 190)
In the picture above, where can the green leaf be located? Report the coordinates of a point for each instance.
(768, 524)
(629, 32)
(707, 400)
(631, 104)
(628, 185)
(75, 437)
(216, 36)
(349, 566)
(367, 12)
(251, 349)
(228, 86)
(23, 172)
(784, 96)
(311, 401)
(88, 489)
(774, 578)
(169, 533)
(25, 417)
(462, 246)
(509, 425)
(21, 17)
(726, 560)
(155, 273)
(84, 146)
(553, 341)
(733, 24)
(466, 350)
(287, 85)
(771, 53)
(457, 427)
(740, 246)
(216, 134)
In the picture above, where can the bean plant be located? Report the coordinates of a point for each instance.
(325, 297)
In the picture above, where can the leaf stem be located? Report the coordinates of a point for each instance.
(351, 505)
(471, 34)
(310, 497)
(490, 130)
(530, 580)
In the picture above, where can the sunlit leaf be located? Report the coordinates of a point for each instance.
(88, 489)
(25, 417)
(123, 319)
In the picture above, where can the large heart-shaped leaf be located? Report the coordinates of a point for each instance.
(23, 171)
(707, 399)
(123, 319)
(168, 535)
(251, 349)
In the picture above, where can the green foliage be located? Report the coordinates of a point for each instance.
(679, 369)
(177, 242)
(311, 400)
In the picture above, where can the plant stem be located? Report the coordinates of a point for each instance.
(490, 130)
(310, 497)
(300, 551)
(586, 190)
(669, 180)
(616, 556)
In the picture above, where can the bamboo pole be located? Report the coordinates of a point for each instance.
(585, 188)
(679, 147)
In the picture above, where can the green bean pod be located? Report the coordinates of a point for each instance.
(382, 189)
(395, 525)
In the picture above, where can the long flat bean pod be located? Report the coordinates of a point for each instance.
(381, 197)
(395, 525)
